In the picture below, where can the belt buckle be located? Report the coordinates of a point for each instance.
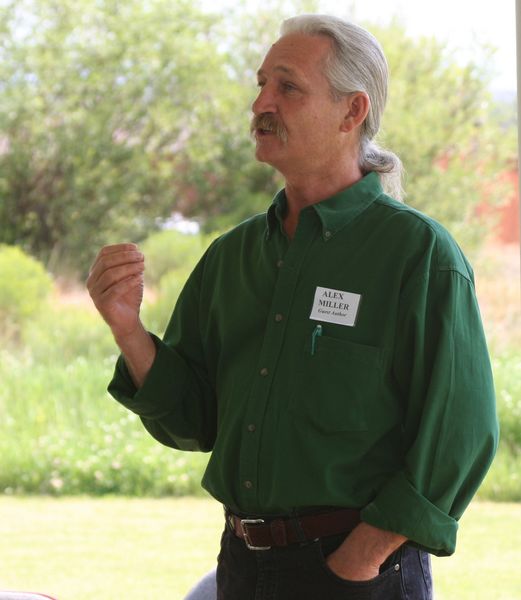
(247, 540)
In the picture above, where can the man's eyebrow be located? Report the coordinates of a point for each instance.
(281, 68)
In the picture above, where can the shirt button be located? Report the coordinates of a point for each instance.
(280, 263)
(396, 567)
(327, 235)
(264, 372)
(248, 485)
(251, 427)
(278, 317)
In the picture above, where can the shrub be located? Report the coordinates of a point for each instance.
(168, 251)
(507, 378)
(64, 333)
(60, 433)
(25, 287)
(157, 313)
(503, 480)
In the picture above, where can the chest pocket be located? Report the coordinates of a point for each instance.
(336, 387)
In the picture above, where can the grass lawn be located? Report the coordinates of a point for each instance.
(130, 549)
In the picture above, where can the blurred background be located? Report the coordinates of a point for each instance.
(128, 121)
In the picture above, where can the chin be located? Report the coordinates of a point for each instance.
(263, 156)
(269, 154)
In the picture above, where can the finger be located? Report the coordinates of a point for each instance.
(98, 284)
(109, 252)
(110, 249)
(120, 289)
(123, 286)
(109, 261)
(114, 248)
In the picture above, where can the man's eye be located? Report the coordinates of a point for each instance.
(260, 84)
(288, 87)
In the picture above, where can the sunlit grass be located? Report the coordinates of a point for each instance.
(155, 549)
(486, 563)
(111, 549)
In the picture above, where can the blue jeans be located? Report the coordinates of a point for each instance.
(300, 572)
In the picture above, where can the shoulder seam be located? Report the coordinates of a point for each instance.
(446, 269)
(414, 212)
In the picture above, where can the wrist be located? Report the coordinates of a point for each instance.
(139, 353)
(130, 336)
(375, 545)
(362, 553)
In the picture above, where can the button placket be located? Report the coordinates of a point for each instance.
(282, 299)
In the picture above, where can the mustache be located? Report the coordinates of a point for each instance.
(269, 122)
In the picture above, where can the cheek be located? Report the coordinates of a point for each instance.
(321, 130)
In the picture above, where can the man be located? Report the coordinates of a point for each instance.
(329, 353)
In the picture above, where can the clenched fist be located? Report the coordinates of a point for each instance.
(115, 284)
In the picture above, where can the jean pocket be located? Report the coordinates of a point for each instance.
(386, 585)
(416, 574)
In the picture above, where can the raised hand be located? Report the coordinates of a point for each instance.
(115, 284)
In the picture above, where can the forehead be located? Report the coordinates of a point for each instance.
(299, 54)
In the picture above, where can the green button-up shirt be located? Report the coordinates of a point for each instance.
(345, 367)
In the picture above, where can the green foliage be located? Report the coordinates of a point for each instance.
(63, 334)
(25, 287)
(99, 103)
(60, 432)
(170, 258)
(157, 313)
(63, 434)
(503, 481)
(439, 121)
(170, 250)
(505, 116)
(114, 114)
(507, 376)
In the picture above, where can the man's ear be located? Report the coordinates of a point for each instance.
(357, 109)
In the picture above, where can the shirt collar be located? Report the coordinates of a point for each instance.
(334, 212)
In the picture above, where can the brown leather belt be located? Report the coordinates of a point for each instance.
(263, 534)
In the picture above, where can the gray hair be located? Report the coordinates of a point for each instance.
(357, 64)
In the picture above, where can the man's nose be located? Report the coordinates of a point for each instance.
(265, 102)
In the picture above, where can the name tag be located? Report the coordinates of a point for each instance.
(335, 306)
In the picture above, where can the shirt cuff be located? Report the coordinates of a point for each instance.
(400, 508)
(153, 399)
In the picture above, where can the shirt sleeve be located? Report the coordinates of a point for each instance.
(176, 403)
(450, 431)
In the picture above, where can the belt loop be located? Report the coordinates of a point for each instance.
(296, 525)
(228, 518)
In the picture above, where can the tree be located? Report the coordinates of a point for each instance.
(99, 103)
(439, 120)
(114, 114)
(236, 186)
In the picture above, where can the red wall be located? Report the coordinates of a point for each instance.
(506, 215)
(508, 226)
